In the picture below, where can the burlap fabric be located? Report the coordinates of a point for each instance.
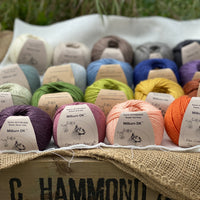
(5, 40)
(173, 174)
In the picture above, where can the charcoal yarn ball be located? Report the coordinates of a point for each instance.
(41, 122)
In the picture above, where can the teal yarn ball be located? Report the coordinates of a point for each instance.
(20, 95)
(32, 76)
(55, 87)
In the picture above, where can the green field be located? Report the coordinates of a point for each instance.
(43, 12)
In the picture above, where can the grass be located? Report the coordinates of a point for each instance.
(44, 12)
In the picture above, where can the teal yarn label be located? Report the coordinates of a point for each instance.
(5, 100)
(190, 127)
(17, 134)
(77, 125)
(134, 128)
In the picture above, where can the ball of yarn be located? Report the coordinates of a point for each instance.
(54, 87)
(141, 70)
(20, 95)
(19, 43)
(80, 76)
(71, 52)
(174, 116)
(177, 54)
(94, 67)
(98, 115)
(143, 51)
(112, 42)
(93, 90)
(41, 122)
(160, 85)
(153, 113)
(191, 88)
(188, 70)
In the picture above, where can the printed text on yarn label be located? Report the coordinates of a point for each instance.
(162, 73)
(59, 73)
(160, 100)
(17, 134)
(106, 99)
(113, 71)
(52, 101)
(113, 53)
(134, 128)
(5, 100)
(155, 55)
(69, 53)
(34, 53)
(77, 125)
(190, 127)
(190, 52)
(13, 74)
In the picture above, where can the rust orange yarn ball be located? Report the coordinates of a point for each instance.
(191, 87)
(174, 116)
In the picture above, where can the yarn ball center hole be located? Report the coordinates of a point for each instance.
(113, 44)
(71, 45)
(198, 67)
(160, 89)
(154, 48)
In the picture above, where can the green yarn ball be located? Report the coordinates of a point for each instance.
(20, 95)
(55, 87)
(93, 90)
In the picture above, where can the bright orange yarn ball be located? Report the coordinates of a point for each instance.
(174, 116)
(153, 113)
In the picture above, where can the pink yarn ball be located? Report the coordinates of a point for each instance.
(153, 113)
(97, 113)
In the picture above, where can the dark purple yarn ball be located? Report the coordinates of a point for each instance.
(41, 122)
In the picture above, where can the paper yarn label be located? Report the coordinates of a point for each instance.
(190, 127)
(5, 100)
(155, 55)
(113, 71)
(34, 53)
(134, 128)
(190, 52)
(13, 74)
(113, 53)
(59, 73)
(198, 91)
(51, 102)
(160, 100)
(162, 73)
(196, 75)
(17, 133)
(106, 99)
(70, 53)
(77, 125)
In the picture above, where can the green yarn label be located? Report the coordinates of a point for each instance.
(52, 101)
(114, 53)
(13, 74)
(34, 53)
(113, 71)
(77, 125)
(17, 134)
(160, 100)
(69, 53)
(162, 73)
(134, 128)
(106, 99)
(190, 127)
(190, 52)
(5, 100)
(59, 73)
(155, 55)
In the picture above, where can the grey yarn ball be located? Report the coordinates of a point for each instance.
(143, 51)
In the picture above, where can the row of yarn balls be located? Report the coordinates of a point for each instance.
(78, 94)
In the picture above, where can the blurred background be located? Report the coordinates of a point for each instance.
(45, 12)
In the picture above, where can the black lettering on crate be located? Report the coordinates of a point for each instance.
(15, 182)
(45, 191)
(115, 188)
(60, 191)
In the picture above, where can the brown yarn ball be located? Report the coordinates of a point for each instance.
(191, 88)
(112, 42)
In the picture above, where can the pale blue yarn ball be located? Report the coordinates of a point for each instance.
(94, 67)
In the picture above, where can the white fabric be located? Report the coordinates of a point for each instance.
(90, 28)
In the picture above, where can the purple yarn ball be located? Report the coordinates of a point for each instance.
(41, 122)
(188, 70)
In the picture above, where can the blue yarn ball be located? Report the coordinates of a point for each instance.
(94, 67)
(142, 69)
(32, 76)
